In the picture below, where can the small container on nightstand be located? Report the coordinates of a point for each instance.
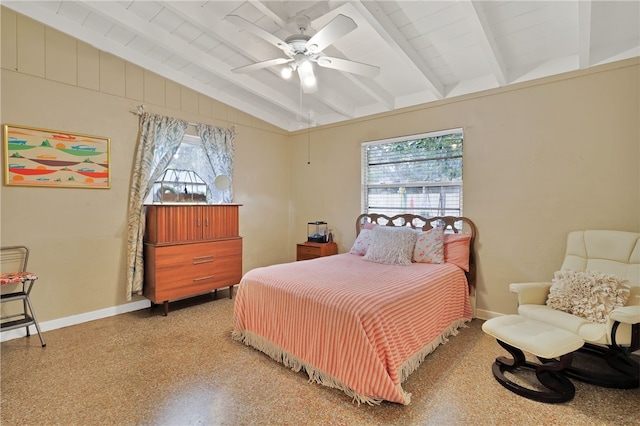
(306, 251)
(317, 232)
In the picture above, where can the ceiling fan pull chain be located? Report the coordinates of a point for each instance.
(309, 140)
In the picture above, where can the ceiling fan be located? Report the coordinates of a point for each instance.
(302, 50)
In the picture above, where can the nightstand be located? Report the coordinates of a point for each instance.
(306, 251)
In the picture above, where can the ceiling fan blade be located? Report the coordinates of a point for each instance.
(307, 79)
(348, 66)
(260, 65)
(256, 30)
(339, 26)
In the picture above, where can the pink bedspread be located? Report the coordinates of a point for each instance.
(359, 326)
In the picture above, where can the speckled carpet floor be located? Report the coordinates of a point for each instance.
(142, 368)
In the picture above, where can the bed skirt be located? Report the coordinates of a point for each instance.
(318, 376)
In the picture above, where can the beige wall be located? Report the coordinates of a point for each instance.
(540, 159)
(78, 236)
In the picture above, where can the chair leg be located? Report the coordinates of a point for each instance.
(35, 321)
(24, 309)
(624, 372)
(560, 389)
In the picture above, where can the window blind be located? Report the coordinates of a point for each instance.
(418, 174)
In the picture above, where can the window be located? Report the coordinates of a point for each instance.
(418, 174)
(183, 180)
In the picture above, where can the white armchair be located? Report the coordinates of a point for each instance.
(608, 252)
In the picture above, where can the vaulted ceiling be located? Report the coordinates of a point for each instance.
(425, 50)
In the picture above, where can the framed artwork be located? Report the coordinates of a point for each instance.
(51, 158)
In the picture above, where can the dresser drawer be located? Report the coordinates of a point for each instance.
(174, 281)
(304, 250)
(302, 256)
(196, 253)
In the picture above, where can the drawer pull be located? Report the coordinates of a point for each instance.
(202, 259)
(208, 277)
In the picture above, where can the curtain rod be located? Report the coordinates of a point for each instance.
(140, 110)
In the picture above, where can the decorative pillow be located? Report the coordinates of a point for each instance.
(588, 294)
(456, 249)
(429, 246)
(361, 244)
(391, 245)
(369, 225)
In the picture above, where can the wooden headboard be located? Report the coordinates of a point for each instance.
(451, 223)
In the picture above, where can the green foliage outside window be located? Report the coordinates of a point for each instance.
(421, 175)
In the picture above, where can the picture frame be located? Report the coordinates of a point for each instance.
(55, 158)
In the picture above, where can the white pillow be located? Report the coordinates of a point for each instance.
(429, 246)
(588, 294)
(361, 244)
(391, 245)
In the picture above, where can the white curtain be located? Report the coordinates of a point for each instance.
(218, 144)
(158, 140)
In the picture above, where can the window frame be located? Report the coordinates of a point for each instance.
(391, 210)
(151, 196)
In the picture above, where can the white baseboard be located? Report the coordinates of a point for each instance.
(481, 313)
(485, 315)
(77, 319)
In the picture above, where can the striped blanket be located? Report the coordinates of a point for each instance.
(355, 325)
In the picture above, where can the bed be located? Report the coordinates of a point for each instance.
(357, 324)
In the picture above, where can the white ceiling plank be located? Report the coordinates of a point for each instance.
(374, 90)
(584, 34)
(246, 43)
(73, 10)
(376, 17)
(179, 47)
(110, 46)
(269, 13)
(478, 22)
(426, 50)
(369, 86)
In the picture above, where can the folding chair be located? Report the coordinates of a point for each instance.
(17, 257)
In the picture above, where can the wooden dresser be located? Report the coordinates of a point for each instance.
(306, 251)
(190, 250)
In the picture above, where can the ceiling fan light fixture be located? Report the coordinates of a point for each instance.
(301, 50)
(307, 77)
(306, 66)
(286, 73)
(310, 80)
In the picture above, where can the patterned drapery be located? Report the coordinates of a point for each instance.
(158, 140)
(218, 144)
